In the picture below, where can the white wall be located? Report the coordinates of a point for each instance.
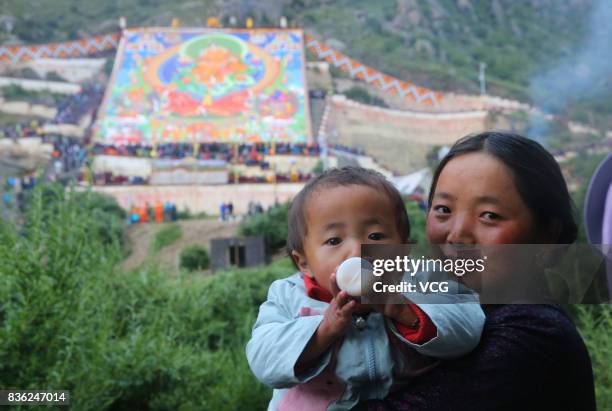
(39, 85)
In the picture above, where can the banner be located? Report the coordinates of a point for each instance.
(206, 85)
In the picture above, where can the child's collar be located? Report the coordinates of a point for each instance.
(315, 291)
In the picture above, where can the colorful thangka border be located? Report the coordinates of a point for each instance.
(206, 85)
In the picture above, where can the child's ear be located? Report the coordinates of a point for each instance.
(300, 261)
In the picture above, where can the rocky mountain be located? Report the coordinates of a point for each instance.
(437, 43)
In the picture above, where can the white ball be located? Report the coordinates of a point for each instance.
(348, 275)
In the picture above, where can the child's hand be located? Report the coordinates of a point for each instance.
(338, 317)
(401, 313)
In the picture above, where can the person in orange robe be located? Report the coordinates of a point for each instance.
(159, 212)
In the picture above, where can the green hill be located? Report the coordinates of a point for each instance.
(434, 43)
(439, 41)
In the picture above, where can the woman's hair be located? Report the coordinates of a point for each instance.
(345, 176)
(536, 175)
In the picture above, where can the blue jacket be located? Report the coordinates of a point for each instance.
(364, 365)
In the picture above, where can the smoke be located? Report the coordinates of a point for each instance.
(586, 74)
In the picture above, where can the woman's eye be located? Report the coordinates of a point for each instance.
(488, 215)
(442, 209)
(333, 241)
(376, 236)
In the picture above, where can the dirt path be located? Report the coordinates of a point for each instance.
(140, 236)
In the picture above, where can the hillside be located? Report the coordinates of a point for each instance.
(140, 237)
(440, 42)
(435, 43)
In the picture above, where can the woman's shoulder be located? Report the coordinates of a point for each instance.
(542, 344)
(547, 312)
(530, 357)
(532, 329)
(527, 315)
(537, 321)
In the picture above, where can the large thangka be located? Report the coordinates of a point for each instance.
(178, 85)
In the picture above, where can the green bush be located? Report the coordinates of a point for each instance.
(53, 76)
(194, 257)
(122, 341)
(166, 236)
(417, 218)
(319, 167)
(187, 215)
(594, 323)
(69, 319)
(107, 216)
(272, 225)
(15, 92)
(362, 95)
(107, 212)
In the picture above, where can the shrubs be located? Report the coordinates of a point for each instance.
(272, 225)
(166, 236)
(194, 257)
(54, 277)
(417, 218)
(143, 340)
(107, 217)
(363, 96)
(594, 323)
(122, 341)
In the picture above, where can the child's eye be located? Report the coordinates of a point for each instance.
(376, 236)
(333, 241)
(442, 209)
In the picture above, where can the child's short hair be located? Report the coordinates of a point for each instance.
(345, 176)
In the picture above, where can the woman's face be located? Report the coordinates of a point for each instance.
(476, 202)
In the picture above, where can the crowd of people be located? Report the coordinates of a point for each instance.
(31, 128)
(68, 156)
(292, 177)
(249, 154)
(226, 211)
(14, 189)
(69, 111)
(242, 154)
(110, 178)
(351, 150)
(157, 212)
(254, 207)
(72, 109)
(8, 191)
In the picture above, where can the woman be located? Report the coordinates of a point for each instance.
(501, 188)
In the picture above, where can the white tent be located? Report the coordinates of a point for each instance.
(416, 183)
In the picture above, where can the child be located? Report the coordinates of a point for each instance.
(304, 343)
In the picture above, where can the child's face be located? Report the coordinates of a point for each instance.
(339, 219)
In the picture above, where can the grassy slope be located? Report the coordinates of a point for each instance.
(437, 44)
(526, 37)
(141, 339)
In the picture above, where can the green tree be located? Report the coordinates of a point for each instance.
(272, 225)
(417, 219)
(194, 257)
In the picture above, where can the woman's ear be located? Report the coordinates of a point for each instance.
(300, 262)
